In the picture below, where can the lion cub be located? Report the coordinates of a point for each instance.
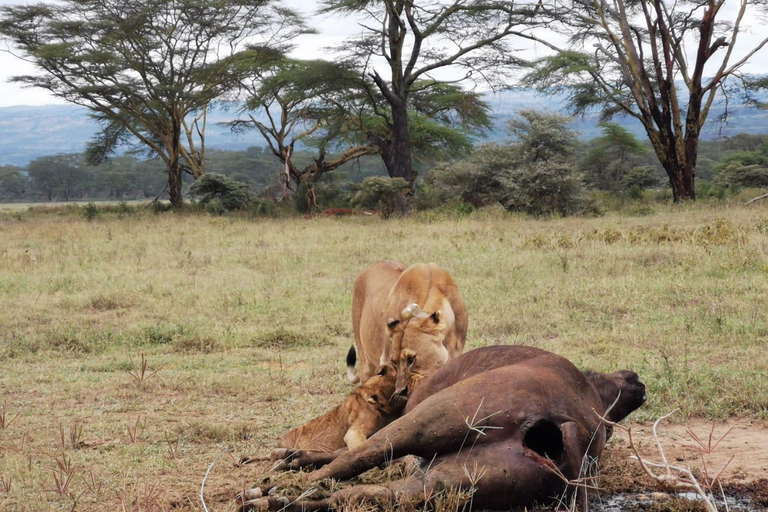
(364, 412)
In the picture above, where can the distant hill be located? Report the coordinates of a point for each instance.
(28, 132)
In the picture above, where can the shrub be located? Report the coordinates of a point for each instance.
(710, 190)
(542, 188)
(263, 207)
(641, 177)
(217, 193)
(159, 207)
(90, 212)
(385, 194)
(737, 174)
(329, 193)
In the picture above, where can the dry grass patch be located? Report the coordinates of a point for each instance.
(252, 319)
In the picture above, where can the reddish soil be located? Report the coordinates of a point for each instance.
(745, 442)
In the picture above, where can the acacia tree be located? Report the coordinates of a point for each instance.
(415, 41)
(292, 101)
(611, 156)
(58, 175)
(632, 57)
(332, 108)
(147, 69)
(13, 182)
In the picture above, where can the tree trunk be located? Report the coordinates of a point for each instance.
(679, 165)
(174, 166)
(402, 150)
(681, 179)
(174, 182)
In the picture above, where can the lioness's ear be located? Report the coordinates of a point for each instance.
(373, 399)
(392, 323)
(436, 316)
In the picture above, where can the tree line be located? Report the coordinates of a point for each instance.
(68, 177)
(544, 168)
(404, 90)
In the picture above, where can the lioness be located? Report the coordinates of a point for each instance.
(364, 412)
(413, 316)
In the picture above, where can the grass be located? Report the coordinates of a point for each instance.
(248, 323)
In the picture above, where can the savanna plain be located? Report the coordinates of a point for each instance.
(136, 348)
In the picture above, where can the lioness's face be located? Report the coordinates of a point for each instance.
(417, 349)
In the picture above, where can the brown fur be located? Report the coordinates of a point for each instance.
(365, 411)
(418, 345)
(501, 420)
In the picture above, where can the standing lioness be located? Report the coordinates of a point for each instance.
(414, 317)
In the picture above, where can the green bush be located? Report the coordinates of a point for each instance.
(263, 208)
(218, 194)
(737, 174)
(90, 212)
(641, 177)
(159, 207)
(543, 188)
(329, 193)
(384, 194)
(710, 190)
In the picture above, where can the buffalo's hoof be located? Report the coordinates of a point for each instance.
(249, 494)
(289, 459)
(263, 504)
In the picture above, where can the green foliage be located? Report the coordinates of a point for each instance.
(543, 188)
(641, 177)
(159, 207)
(744, 168)
(58, 176)
(144, 68)
(472, 180)
(13, 182)
(737, 174)
(264, 208)
(416, 51)
(710, 190)
(534, 175)
(333, 192)
(638, 78)
(381, 193)
(744, 158)
(744, 142)
(542, 135)
(611, 157)
(90, 212)
(218, 193)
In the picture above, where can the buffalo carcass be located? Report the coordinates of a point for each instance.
(511, 423)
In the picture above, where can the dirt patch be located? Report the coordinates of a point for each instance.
(746, 442)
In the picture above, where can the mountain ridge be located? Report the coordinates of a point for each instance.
(30, 132)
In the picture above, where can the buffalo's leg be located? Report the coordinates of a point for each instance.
(437, 425)
(297, 459)
(498, 475)
(385, 494)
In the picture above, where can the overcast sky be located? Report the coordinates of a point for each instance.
(332, 31)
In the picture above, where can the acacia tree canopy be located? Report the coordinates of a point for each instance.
(647, 59)
(412, 43)
(331, 108)
(147, 69)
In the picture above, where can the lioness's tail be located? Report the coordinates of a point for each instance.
(351, 360)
